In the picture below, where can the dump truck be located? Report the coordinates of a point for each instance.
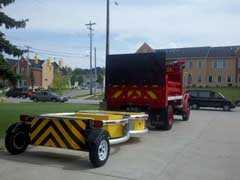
(147, 82)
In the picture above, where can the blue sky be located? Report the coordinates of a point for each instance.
(58, 26)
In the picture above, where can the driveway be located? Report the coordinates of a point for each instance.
(205, 148)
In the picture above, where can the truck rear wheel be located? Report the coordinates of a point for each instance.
(99, 147)
(168, 119)
(16, 139)
(185, 116)
(186, 113)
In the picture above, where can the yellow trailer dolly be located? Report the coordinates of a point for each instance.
(91, 131)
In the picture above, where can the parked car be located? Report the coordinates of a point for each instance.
(208, 98)
(19, 93)
(46, 96)
(237, 103)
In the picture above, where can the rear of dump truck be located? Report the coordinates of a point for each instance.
(145, 82)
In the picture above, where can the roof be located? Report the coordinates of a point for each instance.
(197, 52)
(12, 62)
(145, 48)
(38, 65)
(227, 51)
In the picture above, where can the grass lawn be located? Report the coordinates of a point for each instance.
(232, 93)
(9, 113)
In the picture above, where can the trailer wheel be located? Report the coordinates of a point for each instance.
(168, 119)
(17, 138)
(99, 147)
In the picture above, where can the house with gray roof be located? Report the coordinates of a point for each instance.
(205, 66)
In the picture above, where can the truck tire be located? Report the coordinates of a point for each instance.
(17, 138)
(99, 147)
(168, 119)
(185, 116)
(186, 113)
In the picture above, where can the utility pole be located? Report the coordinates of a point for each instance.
(90, 28)
(95, 70)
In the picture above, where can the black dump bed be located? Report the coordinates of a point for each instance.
(136, 69)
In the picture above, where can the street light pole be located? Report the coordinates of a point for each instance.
(108, 28)
(107, 44)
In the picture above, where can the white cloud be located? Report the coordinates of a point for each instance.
(161, 23)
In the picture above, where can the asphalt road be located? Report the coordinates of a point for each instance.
(70, 101)
(205, 148)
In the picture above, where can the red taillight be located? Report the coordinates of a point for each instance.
(98, 124)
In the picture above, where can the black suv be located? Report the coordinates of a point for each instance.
(208, 98)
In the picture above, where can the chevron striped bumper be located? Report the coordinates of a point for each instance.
(68, 130)
(58, 132)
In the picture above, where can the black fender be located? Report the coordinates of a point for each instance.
(94, 134)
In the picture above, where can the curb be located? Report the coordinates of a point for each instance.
(2, 144)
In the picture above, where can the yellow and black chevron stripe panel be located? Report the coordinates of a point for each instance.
(60, 133)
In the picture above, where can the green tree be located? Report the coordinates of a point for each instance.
(100, 78)
(57, 80)
(5, 46)
(77, 76)
(60, 82)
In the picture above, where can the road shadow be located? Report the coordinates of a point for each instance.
(45, 158)
(176, 121)
(65, 160)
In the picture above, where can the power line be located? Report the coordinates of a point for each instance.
(50, 53)
(55, 51)
(58, 55)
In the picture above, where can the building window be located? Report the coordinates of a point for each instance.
(238, 63)
(189, 81)
(215, 64)
(219, 64)
(210, 79)
(229, 79)
(224, 64)
(219, 79)
(199, 78)
(190, 64)
(199, 64)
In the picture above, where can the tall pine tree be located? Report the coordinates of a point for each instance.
(5, 46)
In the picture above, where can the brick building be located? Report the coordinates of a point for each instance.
(205, 66)
(34, 73)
